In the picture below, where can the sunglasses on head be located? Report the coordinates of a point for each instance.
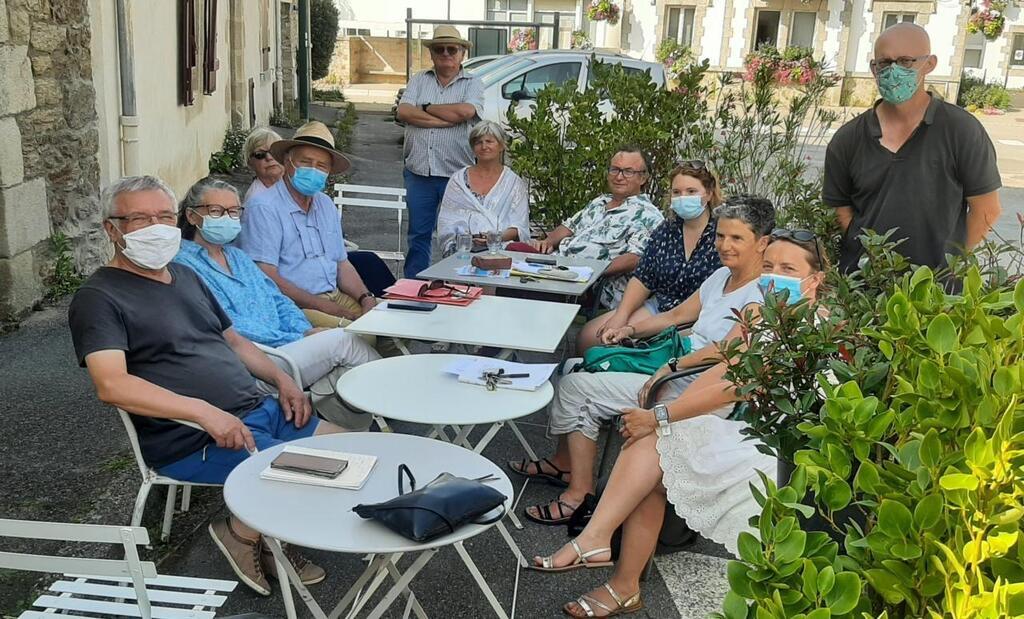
(800, 236)
(261, 154)
(693, 164)
(450, 50)
(439, 288)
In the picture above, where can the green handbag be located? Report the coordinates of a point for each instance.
(643, 357)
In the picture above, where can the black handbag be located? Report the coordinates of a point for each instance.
(436, 509)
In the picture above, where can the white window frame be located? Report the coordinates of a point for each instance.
(792, 27)
(753, 33)
(901, 17)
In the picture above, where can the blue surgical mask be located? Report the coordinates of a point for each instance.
(778, 283)
(687, 207)
(308, 181)
(220, 230)
(897, 84)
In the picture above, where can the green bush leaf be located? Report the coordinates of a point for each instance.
(734, 606)
(818, 613)
(750, 548)
(928, 511)
(844, 596)
(866, 479)
(810, 580)
(894, 519)
(739, 581)
(1018, 296)
(837, 494)
(958, 481)
(941, 334)
(906, 550)
(826, 579)
(931, 450)
(1004, 381)
(885, 584)
(792, 547)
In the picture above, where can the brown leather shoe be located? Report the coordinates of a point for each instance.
(309, 573)
(243, 555)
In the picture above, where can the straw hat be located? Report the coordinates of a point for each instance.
(447, 34)
(313, 133)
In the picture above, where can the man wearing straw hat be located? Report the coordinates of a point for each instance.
(439, 107)
(293, 232)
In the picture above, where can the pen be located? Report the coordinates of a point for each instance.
(515, 375)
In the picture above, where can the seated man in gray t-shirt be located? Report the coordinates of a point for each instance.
(158, 345)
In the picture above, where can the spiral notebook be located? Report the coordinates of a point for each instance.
(352, 478)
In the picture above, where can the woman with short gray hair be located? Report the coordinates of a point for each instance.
(486, 196)
(256, 152)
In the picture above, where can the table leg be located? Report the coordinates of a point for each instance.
(355, 594)
(522, 441)
(401, 346)
(487, 437)
(511, 543)
(441, 433)
(480, 581)
(505, 354)
(402, 583)
(291, 578)
(413, 602)
(512, 512)
(382, 423)
(462, 436)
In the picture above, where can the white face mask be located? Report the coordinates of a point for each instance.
(152, 247)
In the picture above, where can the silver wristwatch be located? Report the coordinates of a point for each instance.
(661, 414)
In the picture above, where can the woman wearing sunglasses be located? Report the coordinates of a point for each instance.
(257, 156)
(696, 459)
(679, 256)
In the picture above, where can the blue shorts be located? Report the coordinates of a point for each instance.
(211, 464)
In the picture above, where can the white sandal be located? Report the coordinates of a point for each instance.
(631, 604)
(582, 560)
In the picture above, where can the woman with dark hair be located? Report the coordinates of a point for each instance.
(209, 220)
(679, 256)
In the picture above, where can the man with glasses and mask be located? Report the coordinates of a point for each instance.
(293, 232)
(158, 345)
(439, 108)
(913, 162)
(615, 226)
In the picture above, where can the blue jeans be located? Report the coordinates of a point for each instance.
(423, 195)
(211, 464)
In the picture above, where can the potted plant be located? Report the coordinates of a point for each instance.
(603, 10)
(580, 40)
(523, 39)
(989, 19)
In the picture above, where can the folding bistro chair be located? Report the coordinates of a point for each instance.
(370, 196)
(127, 587)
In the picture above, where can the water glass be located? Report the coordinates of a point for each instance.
(494, 240)
(463, 245)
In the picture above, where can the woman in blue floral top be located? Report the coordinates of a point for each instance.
(209, 219)
(679, 256)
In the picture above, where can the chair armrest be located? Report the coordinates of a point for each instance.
(656, 387)
(289, 363)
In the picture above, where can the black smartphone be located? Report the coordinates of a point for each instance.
(306, 464)
(415, 306)
(548, 260)
(478, 248)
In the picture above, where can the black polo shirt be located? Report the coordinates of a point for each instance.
(921, 190)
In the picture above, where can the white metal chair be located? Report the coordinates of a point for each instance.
(375, 197)
(127, 587)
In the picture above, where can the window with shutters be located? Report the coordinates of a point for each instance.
(210, 62)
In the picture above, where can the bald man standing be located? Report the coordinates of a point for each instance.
(913, 162)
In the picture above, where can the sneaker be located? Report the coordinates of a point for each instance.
(309, 573)
(243, 555)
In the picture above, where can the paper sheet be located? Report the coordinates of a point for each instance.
(583, 274)
(475, 272)
(352, 478)
(471, 369)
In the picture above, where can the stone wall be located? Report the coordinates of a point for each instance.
(373, 60)
(49, 172)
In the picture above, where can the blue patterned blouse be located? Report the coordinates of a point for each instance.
(664, 269)
(258, 309)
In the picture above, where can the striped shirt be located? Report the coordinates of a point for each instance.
(441, 152)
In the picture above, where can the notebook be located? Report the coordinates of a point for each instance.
(408, 289)
(352, 478)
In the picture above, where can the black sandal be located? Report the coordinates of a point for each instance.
(558, 479)
(546, 516)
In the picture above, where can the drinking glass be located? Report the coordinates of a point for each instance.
(494, 240)
(463, 245)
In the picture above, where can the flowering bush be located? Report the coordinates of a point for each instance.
(580, 40)
(675, 57)
(989, 19)
(522, 39)
(603, 10)
(794, 66)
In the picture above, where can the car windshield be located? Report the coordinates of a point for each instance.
(506, 69)
(498, 62)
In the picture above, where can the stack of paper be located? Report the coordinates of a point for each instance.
(352, 478)
(471, 370)
(408, 290)
(476, 272)
(583, 274)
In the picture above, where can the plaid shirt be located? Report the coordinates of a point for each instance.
(441, 152)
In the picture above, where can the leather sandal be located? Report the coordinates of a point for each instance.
(565, 513)
(556, 479)
(587, 603)
(582, 560)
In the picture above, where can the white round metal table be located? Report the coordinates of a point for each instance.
(322, 518)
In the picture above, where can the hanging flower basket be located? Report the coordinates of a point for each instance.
(580, 40)
(523, 39)
(989, 19)
(603, 10)
(794, 66)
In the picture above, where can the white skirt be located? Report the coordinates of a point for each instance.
(708, 468)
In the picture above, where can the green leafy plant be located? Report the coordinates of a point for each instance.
(323, 34)
(328, 94)
(65, 277)
(229, 157)
(975, 95)
(675, 56)
(344, 126)
(287, 117)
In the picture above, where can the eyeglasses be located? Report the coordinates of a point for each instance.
(440, 289)
(625, 172)
(216, 210)
(450, 50)
(799, 236)
(907, 62)
(135, 220)
(693, 164)
(262, 154)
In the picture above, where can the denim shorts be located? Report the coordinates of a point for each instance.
(211, 464)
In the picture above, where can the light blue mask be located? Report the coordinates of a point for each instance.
(308, 181)
(220, 230)
(778, 283)
(687, 207)
(897, 84)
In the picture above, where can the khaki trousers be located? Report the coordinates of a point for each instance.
(321, 319)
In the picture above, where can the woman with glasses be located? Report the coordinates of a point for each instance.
(257, 156)
(679, 257)
(688, 453)
(486, 196)
(209, 220)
